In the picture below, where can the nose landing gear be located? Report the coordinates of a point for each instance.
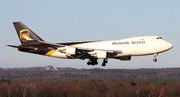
(155, 55)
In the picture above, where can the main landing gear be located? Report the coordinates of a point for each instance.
(93, 62)
(104, 62)
(155, 60)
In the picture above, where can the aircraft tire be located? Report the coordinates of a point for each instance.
(155, 60)
(88, 63)
(103, 64)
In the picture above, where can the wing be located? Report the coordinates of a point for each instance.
(78, 52)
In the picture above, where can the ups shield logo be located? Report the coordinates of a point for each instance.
(24, 32)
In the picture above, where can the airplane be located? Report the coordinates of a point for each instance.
(122, 49)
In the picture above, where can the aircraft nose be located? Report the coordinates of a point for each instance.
(170, 45)
(167, 45)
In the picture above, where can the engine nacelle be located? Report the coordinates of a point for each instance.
(68, 50)
(125, 58)
(101, 54)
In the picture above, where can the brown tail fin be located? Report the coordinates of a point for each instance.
(22, 30)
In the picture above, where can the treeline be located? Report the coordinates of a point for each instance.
(97, 74)
(90, 83)
(89, 88)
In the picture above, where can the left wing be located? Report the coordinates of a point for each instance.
(78, 52)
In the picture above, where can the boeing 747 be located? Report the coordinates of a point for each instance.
(122, 49)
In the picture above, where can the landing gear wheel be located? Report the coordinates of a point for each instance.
(92, 62)
(88, 63)
(155, 60)
(103, 64)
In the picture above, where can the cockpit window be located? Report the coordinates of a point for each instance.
(159, 37)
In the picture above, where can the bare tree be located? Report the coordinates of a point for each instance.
(137, 91)
(32, 87)
(9, 91)
(24, 89)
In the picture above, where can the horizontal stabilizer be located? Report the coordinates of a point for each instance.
(12, 46)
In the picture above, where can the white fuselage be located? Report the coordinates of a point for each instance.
(136, 46)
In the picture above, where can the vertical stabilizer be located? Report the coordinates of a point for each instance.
(23, 31)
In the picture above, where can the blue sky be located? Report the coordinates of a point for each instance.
(79, 20)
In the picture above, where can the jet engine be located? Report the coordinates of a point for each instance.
(68, 50)
(100, 54)
(125, 58)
